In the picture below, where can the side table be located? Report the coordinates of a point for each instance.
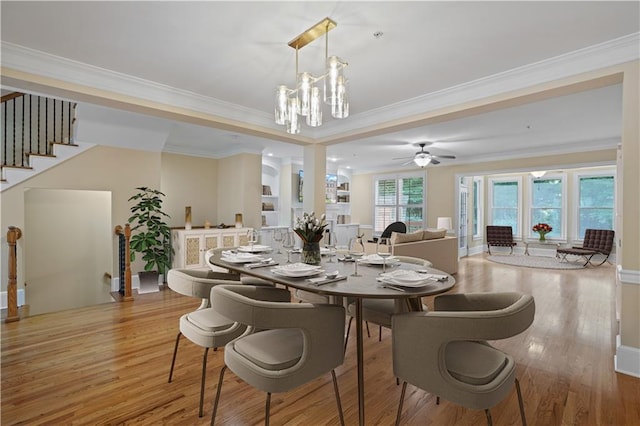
(540, 244)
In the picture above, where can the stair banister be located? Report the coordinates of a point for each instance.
(13, 235)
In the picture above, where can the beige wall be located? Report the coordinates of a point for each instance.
(190, 181)
(100, 168)
(240, 189)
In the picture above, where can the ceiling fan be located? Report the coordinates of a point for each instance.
(422, 158)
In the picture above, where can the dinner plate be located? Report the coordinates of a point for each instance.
(256, 248)
(374, 259)
(406, 278)
(297, 270)
(297, 274)
(240, 257)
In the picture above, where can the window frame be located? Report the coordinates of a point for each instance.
(397, 177)
(563, 205)
(575, 231)
(518, 179)
(478, 207)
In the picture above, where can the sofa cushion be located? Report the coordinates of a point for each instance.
(432, 235)
(397, 238)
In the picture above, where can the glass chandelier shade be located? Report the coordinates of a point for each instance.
(422, 160)
(304, 100)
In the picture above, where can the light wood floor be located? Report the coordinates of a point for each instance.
(108, 364)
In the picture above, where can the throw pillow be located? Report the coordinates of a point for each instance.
(432, 235)
(397, 238)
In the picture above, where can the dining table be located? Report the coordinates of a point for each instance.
(346, 285)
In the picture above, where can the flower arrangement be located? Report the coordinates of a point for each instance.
(310, 228)
(542, 229)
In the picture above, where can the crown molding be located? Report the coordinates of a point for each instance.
(612, 52)
(592, 58)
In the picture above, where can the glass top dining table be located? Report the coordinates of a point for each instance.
(363, 286)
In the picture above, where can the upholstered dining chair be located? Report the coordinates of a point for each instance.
(204, 326)
(299, 341)
(445, 351)
(380, 311)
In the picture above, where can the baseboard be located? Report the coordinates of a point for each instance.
(3, 298)
(627, 360)
(135, 282)
(628, 276)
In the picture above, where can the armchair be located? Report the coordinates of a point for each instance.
(446, 352)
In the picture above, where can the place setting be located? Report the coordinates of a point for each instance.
(251, 260)
(406, 279)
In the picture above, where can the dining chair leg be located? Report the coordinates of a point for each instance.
(266, 409)
(524, 420)
(379, 333)
(337, 392)
(488, 413)
(404, 389)
(368, 332)
(346, 340)
(202, 380)
(173, 360)
(215, 403)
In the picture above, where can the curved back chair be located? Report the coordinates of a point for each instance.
(445, 352)
(399, 227)
(380, 311)
(204, 326)
(301, 341)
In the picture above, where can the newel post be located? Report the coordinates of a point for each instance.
(13, 235)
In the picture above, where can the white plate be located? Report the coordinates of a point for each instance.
(257, 248)
(299, 266)
(374, 259)
(240, 257)
(406, 278)
(297, 274)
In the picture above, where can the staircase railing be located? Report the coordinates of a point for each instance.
(124, 261)
(31, 125)
(13, 235)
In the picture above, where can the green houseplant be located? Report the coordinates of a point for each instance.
(150, 234)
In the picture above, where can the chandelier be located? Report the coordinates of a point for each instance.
(304, 100)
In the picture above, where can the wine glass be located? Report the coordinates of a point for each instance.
(383, 249)
(278, 236)
(330, 242)
(252, 236)
(288, 243)
(356, 251)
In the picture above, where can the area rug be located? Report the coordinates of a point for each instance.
(535, 262)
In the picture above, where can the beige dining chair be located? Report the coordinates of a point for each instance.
(380, 311)
(299, 341)
(204, 326)
(445, 351)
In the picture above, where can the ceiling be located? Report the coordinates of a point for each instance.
(226, 58)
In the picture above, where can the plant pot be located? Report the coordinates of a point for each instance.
(311, 253)
(148, 282)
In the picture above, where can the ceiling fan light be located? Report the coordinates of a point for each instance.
(422, 160)
(538, 174)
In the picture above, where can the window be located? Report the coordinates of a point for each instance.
(478, 208)
(547, 202)
(596, 200)
(505, 203)
(398, 198)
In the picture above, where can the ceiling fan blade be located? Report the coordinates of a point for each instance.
(451, 157)
(407, 163)
(434, 161)
(403, 158)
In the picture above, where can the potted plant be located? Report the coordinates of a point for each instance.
(150, 234)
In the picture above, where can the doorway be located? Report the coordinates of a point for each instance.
(68, 249)
(462, 219)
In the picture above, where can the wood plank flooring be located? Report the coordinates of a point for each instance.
(108, 365)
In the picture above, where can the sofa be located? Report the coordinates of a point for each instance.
(432, 245)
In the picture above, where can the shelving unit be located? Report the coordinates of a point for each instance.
(270, 186)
